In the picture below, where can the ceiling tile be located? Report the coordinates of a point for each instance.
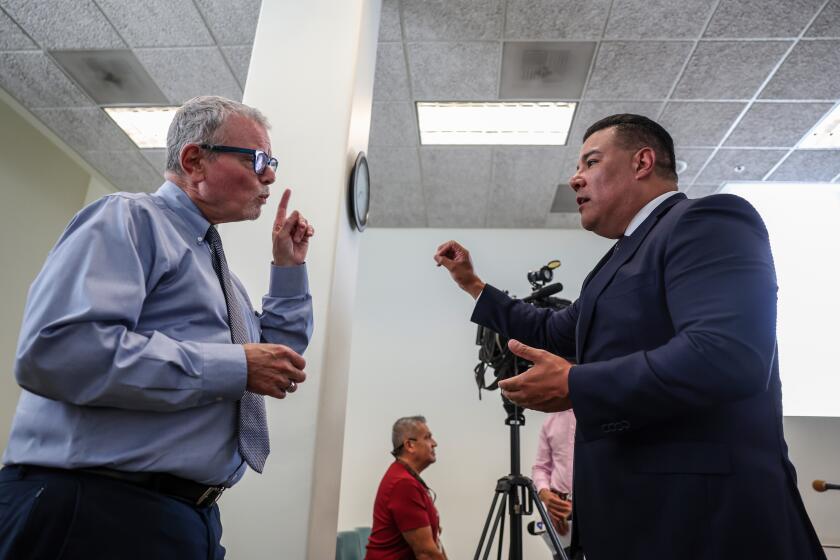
(777, 125)
(563, 221)
(391, 165)
(760, 18)
(701, 190)
(809, 72)
(128, 170)
(184, 73)
(523, 185)
(396, 190)
(389, 21)
(729, 69)
(453, 71)
(232, 22)
(638, 70)
(157, 23)
(157, 157)
(699, 124)
(391, 80)
(87, 129)
(589, 112)
(827, 23)
(694, 159)
(453, 20)
(456, 184)
(555, 19)
(808, 165)
(36, 81)
(739, 165)
(393, 124)
(641, 19)
(12, 37)
(64, 25)
(239, 59)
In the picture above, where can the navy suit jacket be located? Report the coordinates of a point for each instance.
(679, 450)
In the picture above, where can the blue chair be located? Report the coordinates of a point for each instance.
(348, 547)
(364, 535)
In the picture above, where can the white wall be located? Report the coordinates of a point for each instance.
(414, 351)
(319, 105)
(815, 451)
(41, 188)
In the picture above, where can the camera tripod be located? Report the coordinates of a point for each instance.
(518, 494)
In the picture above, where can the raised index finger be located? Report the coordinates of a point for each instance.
(280, 219)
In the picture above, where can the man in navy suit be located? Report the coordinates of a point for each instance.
(675, 383)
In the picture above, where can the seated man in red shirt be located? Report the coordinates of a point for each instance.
(405, 520)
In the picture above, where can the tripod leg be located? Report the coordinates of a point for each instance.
(501, 543)
(486, 525)
(559, 553)
(500, 520)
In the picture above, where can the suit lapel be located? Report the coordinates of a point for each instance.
(606, 269)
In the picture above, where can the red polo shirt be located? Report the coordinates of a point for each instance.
(402, 504)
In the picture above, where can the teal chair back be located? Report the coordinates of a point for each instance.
(364, 535)
(348, 547)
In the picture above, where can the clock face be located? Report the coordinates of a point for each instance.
(360, 192)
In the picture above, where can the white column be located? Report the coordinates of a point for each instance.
(311, 73)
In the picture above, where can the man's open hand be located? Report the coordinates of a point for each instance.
(545, 386)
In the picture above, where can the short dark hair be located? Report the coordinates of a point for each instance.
(636, 132)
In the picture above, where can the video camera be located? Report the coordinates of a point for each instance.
(493, 351)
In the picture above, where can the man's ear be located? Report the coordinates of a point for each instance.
(193, 162)
(644, 162)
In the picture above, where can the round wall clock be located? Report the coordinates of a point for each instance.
(359, 199)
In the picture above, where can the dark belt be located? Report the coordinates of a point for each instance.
(200, 495)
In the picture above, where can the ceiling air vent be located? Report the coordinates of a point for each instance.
(545, 70)
(111, 77)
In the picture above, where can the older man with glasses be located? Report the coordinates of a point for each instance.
(143, 364)
(405, 521)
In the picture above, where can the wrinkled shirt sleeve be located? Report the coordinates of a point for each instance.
(80, 342)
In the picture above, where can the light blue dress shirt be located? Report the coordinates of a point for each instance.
(125, 355)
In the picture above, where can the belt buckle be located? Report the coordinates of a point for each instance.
(210, 496)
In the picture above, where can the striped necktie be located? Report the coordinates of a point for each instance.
(252, 433)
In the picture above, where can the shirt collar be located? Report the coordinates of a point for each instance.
(177, 200)
(646, 211)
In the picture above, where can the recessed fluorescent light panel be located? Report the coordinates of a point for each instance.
(515, 123)
(824, 136)
(146, 126)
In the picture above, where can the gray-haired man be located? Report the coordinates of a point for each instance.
(142, 362)
(405, 521)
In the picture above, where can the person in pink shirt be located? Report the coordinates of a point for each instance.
(552, 471)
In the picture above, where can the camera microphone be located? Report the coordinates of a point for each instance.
(822, 486)
(549, 290)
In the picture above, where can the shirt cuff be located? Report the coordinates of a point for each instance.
(225, 371)
(288, 281)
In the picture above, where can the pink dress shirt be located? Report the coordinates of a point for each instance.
(555, 453)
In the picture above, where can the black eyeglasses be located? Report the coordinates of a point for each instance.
(261, 159)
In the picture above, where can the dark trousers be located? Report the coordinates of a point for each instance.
(47, 514)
